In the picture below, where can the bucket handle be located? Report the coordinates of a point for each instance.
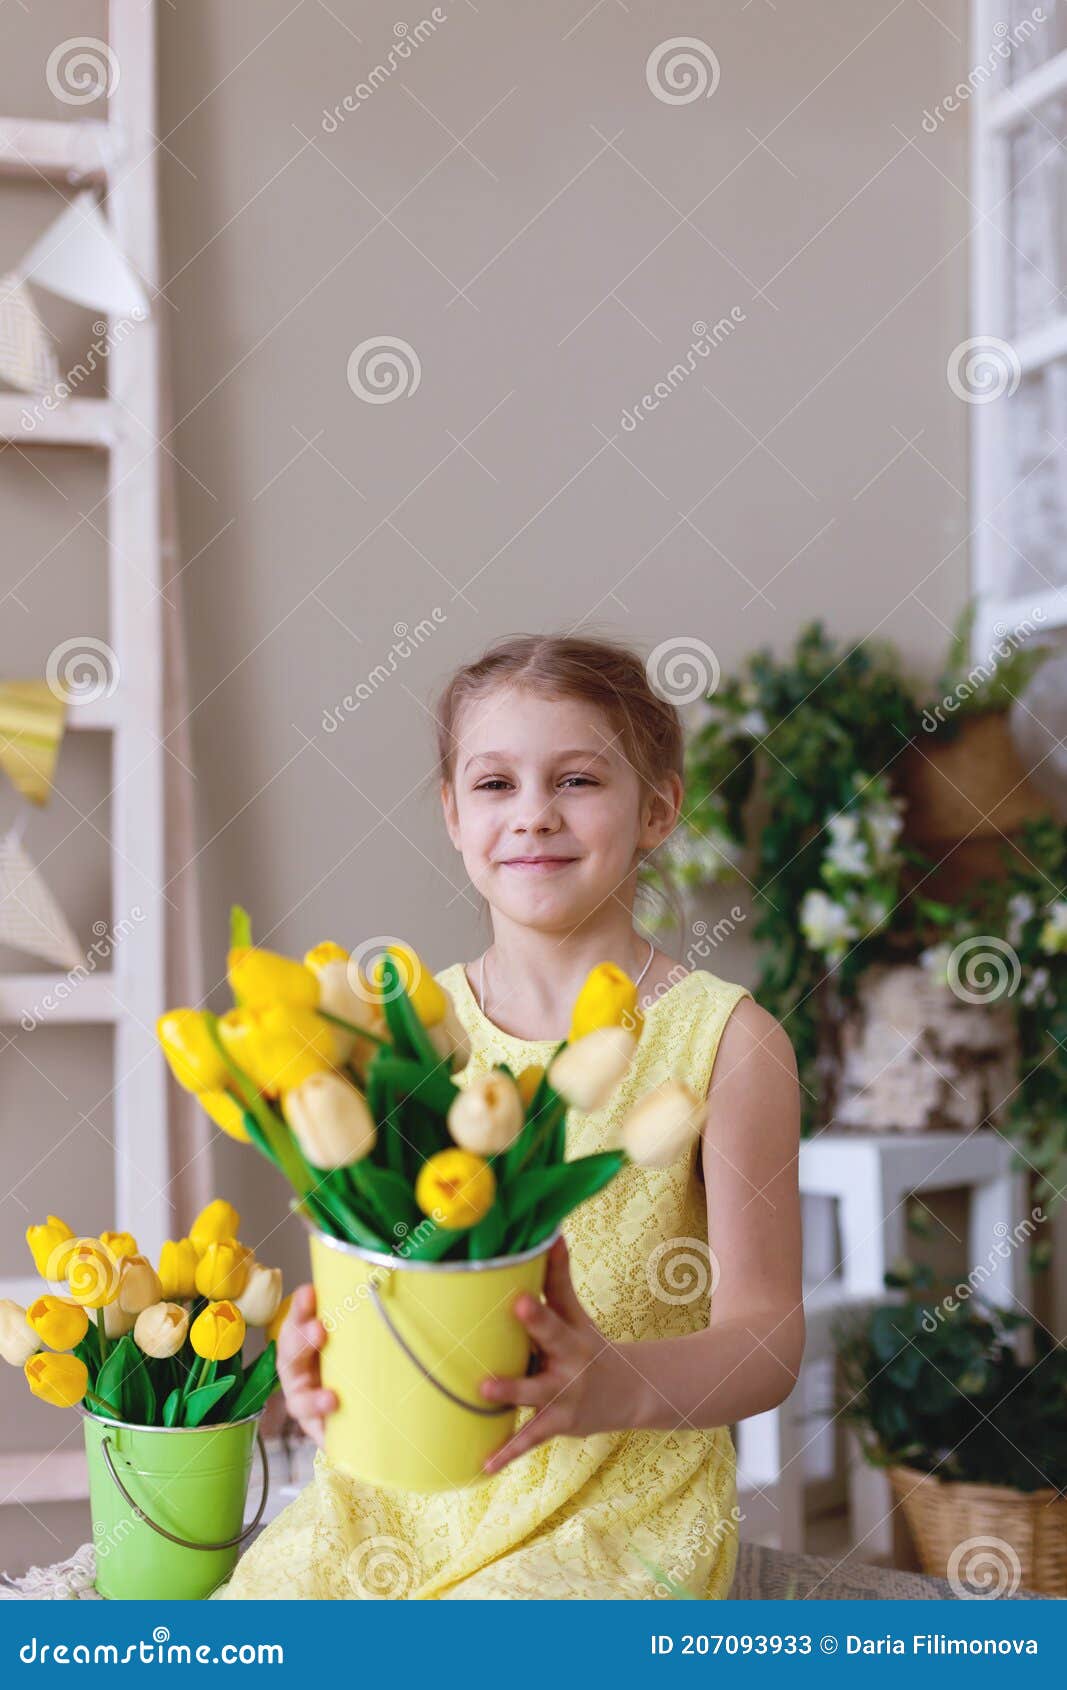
(461, 1402)
(183, 1542)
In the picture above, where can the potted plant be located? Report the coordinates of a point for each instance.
(974, 1438)
(153, 1358)
(432, 1195)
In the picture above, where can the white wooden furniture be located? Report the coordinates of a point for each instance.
(1018, 118)
(855, 1188)
(119, 153)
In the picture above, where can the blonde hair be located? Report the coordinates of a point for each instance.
(599, 672)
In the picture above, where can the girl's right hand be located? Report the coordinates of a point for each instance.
(299, 1342)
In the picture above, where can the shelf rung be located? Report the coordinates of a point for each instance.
(22, 1288)
(51, 999)
(1016, 103)
(25, 418)
(78, 151)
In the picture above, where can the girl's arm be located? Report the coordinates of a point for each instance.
(748, 1357)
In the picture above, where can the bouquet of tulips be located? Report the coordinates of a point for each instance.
(150, 1346)
(346, 1082)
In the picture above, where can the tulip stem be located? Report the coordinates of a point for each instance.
(101, 1335)
(108, 1407)
(204, 1365)
(350, 1027)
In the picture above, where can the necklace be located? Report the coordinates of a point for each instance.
(481, 974)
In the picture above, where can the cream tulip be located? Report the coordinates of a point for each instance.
(449, 1039)
(139, 1285)
(662, 1125)
(487, 1117)
(330, 1120)
(261, 1297)
(586, 1073)
(339, 996)
(117, 1320)
(160, 1329)
(18, 1340)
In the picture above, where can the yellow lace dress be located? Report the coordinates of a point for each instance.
(591, 1517)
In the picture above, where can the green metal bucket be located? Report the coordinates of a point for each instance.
(168, 1503)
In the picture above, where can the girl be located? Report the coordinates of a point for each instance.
(559, 770)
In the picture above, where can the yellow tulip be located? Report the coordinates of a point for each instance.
(330, 1121)
(450, 1040)
(662, 1125)
(586, 1073)
(528, 1081)
(59, 1379)
(160, 1329)
(608, 998)
(92, 1274)
(326, 951)
(139, 1285)
(260, 978)
(177, 1268)
(58, 1323)
(428, 996)
(226, 1113)
(222, 1271)
(279, 1046)
(218, 1332)
(262, 1295)
(50, 1245)
(18, 1340)
(455, 1187)
(273, 1327)
(218, 1219)
(120, 1244)
(487, 1117)
(191, 1051)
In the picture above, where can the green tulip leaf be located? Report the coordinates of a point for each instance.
(260, 1381)
(541, 1198)
(199, 1403)
(435, 1242)
(109, 1380)
(172, 1406)
(487, 1238)
(240, 927)
(389, 1194)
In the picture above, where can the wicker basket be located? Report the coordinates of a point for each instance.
(989, 1536)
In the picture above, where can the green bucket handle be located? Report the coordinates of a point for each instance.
(184, 1542)
(461, 1402)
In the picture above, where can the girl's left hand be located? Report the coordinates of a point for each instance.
(582, 1383)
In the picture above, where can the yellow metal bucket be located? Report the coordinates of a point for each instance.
(407, 1346)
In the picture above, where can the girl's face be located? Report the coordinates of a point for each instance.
(545, 808)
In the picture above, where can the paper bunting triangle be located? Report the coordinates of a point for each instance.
(79, 258)
(26, 356)
(32, 719)
(30, 918)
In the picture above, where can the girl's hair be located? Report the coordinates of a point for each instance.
(599, 672)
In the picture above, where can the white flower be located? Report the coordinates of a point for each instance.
(826, 925)
(843, 827)
(753, 723)
(1021, 908)
(1031, 992)
(1053, 935)
(885, 826)
(935, 960)
(849, 856)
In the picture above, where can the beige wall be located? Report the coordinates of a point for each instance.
(517, 155)
(317, 522)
